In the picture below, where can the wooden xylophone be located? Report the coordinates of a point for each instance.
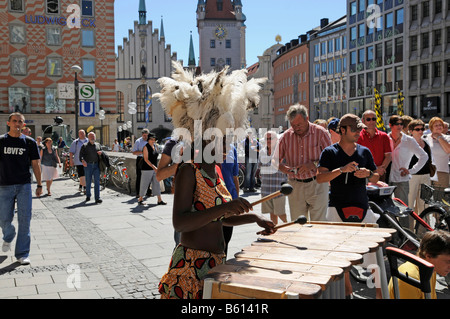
(300, 261)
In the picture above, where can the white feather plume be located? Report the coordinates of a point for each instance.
(218, 99)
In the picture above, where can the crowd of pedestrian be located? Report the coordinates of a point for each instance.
(323, 162)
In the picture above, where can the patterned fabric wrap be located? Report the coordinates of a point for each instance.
(209, 193)
(187, 269)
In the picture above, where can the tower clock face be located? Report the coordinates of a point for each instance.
(220, 32)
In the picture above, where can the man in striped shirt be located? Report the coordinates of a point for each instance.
(297, 155)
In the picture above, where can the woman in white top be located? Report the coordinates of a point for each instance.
(404, 148)
(116, 146)
(440, 150)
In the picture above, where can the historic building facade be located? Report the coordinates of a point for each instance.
(328, 76)
(40, 42)
(143, 58)
(221, 28)
(291, 78)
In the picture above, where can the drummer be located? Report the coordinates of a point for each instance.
(347, 165)
(202, 203)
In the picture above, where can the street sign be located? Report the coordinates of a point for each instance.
(87, 91)
(87, 109)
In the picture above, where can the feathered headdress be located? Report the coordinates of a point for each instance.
(217, 99)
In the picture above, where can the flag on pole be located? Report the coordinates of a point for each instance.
(380, 123)
(148, 104)
(400, 99)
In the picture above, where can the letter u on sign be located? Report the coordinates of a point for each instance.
(87, 109)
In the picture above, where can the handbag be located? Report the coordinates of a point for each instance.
(432, 169)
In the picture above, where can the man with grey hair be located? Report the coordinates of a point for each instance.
(300, 148)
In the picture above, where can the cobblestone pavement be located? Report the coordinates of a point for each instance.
(114, 250)
(117, 248)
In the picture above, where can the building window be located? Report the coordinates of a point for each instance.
(323, 49)
(53, 6)
(353, 8)
(353, 34)
(414, 13)
(317, 50)
(437, 37)
(88, 68)
(19, 100)
(213, 62)
(219, 5)
(413, 43)
(425, 72)
(16, 5)
(228, 61)
(17, 34)
(425, 9)
(52, 103)
(141, 97)
(212, 44)
(18, 65)
(437, 69)
(399, 49)
(388, 53)
(87, 8)
(120, 105)
(87, 38)
(425, 40)
(330, 46)
(437, 6)
(399, 17)
(317, 70)
(54, 66)
(389, 80)
(389, 20)
(53, 36)
(337, 44)
(413, 73)
(331, 67)
(228, 44)
(361, 30)
(324, 68)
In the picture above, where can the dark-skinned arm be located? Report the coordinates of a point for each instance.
(186, 221)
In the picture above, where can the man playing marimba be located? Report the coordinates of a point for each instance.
(346, 166)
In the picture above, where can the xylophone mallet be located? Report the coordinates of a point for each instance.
(301, 221)
(285, 190)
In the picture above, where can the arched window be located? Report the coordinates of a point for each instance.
(141, 98)
(120, 106)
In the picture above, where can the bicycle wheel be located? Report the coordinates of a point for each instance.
(434, 217)
(73, 174)
(116, 177)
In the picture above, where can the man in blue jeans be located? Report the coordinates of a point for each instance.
(17, 152)
(90, 156)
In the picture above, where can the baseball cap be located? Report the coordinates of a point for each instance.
(333, 125)
(353, 121)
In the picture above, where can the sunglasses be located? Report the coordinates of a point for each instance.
(371, 119)
(419, 129)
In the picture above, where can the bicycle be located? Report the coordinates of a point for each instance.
(118, 175)
(69, 171)
(437, 215)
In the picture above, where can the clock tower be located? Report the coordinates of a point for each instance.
(221, 28)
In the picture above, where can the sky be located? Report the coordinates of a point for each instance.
(265, 20)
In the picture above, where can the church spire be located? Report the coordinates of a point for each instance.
(142, 12)
(161, 32)
(191, 60)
